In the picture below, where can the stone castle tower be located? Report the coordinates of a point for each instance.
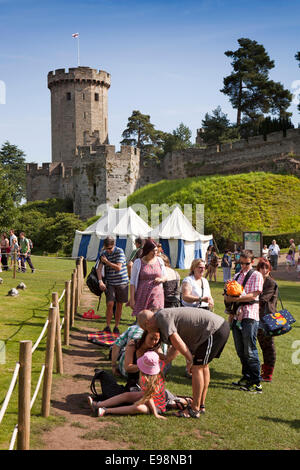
(84, 167)
(79, 110)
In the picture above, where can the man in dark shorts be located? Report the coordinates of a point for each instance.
(199, 335)
(116, 288)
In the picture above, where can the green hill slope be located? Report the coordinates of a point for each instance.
(233, 204)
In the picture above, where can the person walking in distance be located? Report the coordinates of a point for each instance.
(25, 253)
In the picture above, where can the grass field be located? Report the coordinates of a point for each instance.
(234, 419)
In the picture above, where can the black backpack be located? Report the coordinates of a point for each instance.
(92, 282)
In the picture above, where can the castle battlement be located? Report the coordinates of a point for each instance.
(47, 169)
(79, 75)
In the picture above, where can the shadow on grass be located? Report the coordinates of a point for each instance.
(217, 379)
(75, 404)
(293, 423)
(34, 315)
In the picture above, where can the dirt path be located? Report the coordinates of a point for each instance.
(68, 398)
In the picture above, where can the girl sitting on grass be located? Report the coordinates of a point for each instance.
(152, 399)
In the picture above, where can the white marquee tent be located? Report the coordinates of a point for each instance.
(124, 224)
(180, 241)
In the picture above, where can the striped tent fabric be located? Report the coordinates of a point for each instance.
(180, 241)
(123, 224)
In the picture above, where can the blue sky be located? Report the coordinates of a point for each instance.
(166, 58)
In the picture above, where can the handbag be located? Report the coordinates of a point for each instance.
(278, 323)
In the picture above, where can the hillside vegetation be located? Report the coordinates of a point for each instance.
(252, 201)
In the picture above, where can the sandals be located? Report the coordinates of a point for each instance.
(90, 315)
(202, 409)
(180, 405)
(191, 413)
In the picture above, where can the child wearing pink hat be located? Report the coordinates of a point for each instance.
(150, 400)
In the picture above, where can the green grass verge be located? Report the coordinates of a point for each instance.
(234, 419)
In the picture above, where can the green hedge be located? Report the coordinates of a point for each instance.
(282, 239)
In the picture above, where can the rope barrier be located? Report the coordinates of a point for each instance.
(10, 390)
(13, 438)
(37, 386)
(16, 371)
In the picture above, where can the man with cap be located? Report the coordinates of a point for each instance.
(199, 335)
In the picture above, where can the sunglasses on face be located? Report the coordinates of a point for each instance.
(246, 264)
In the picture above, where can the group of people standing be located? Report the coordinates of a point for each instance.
(185, 322)
(11, 248)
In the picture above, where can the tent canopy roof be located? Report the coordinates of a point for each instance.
(119, 222)
(177, 226)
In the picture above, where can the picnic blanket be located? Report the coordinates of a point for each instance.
(102, 338)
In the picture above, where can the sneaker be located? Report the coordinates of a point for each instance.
(92, 404)
(116, 330)
(101, 412)
(240, 383)
(33, 270)
(252, 388)
(106, 330)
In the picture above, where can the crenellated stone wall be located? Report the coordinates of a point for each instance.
(254, 154)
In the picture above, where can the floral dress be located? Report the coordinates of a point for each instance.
(149, 295)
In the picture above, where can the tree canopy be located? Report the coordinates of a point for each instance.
(12, 160)
(250, 90)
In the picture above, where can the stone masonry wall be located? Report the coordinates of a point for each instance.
(100, 175)
(256, 154)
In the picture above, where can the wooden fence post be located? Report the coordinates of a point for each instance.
(81, 273)
(15, 265)
(58, 350)
(77, 288)
(67, 312)
(73, 296)
(25, 359)
(49, 362)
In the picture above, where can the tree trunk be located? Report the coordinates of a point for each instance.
(239, 112)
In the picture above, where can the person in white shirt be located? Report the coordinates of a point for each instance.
(274, 251)
(195, 288)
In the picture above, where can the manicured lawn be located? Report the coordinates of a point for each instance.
(234, 419)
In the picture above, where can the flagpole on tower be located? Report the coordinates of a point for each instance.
(76, 36)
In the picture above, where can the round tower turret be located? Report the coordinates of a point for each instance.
(79, 110)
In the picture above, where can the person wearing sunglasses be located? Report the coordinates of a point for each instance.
(245, 324)
(195, 288)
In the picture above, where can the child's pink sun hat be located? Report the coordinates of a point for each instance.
(149, 363)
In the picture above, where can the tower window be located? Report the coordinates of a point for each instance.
(96, 96)
(95, 189)
(68, 96)
(83, 96)
(84, 115)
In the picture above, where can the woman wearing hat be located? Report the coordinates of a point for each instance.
(147, 278)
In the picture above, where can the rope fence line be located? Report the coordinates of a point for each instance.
(71, 293)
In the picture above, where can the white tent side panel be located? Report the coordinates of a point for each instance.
(76, 244)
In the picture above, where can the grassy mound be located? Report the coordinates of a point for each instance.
(233, 204)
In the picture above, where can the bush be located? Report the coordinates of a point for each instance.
(282, 239)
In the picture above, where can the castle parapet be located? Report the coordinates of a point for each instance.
(80, 75)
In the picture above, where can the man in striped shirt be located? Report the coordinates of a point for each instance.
(116, 275)
(245, 325)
